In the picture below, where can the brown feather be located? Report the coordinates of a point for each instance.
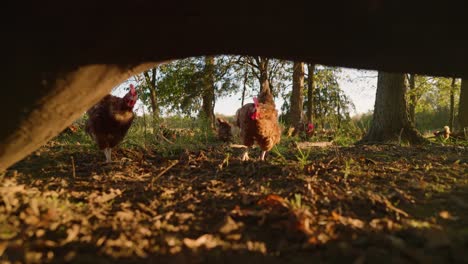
(265, 130)
(109, 121)
(224, 130)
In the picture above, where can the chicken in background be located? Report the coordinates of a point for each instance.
(110, 119)
(224, 130)
(167, 133)
(444, 133)
(305, 131)
(310, 130)
(71, 129)
(258, 122)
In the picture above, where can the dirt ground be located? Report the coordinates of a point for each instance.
(362, 204)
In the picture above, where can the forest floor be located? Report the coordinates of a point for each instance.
(359, 204)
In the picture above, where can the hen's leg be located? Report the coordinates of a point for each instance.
(248, 142)
(107, 152)
(245, 155)
(262, 156)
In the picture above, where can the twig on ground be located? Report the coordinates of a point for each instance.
(174, 162)
(73, 167)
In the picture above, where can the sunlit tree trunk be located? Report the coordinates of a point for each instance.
(265, 95)
(391, 121)
(296, 95)
(412, 98)
(321, 111)
(310, 93)
(151, 81)
(263, 68)
(452, 104)
(208, 97)
(463, 106)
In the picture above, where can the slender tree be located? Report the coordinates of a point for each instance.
(391, 120)
(151, 84)
(463, 106)
(296, 95)
(412, 98)
(452, 104)
(244, 84)
(267, 71)
(310, 92)
(208, 97)
(262, 65)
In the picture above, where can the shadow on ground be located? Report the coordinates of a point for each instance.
(364, 204)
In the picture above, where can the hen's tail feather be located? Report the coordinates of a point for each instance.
(237, 121)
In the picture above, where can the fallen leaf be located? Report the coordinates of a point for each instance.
(3, 247)
(205, 240)
(272, 200)
(228, 226)
(72, 234)
(445, 215)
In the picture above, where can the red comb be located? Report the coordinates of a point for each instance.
(256, 114)
(132, 89)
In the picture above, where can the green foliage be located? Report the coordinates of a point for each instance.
(302, 157)
(180, 84)
(296, 202)
(332, 107)
(279, 73)
(185, 133)
(79, 137)
(363, 121)
(140, 134)
(433, 101)
(427, 121)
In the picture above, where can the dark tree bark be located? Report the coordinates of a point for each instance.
(263, 69)
(208, 97)
(310, 93)
(413, 99)
(391, 121)
(263, 79)
(244, 88)
(452, 104)
(296, 96)
(463, 106)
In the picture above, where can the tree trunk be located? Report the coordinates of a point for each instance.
(296, 96)
(244, 88)
(412, 98)
(208, 91)
(391, 121)
(265, 95)
(320, 111)
(153, 95)
(452, 104)
(463, 106)
(310, 93)
(338, 111)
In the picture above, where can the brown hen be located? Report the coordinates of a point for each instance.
(224, 130)
(110, 119)
(258, 122)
